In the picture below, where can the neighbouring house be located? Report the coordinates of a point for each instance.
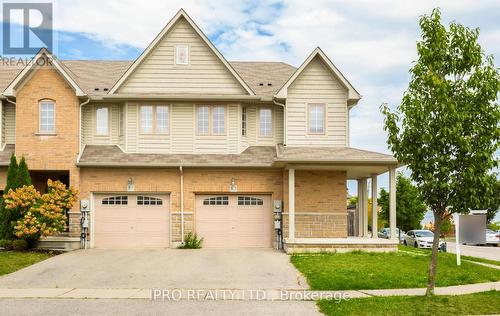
(181, 140)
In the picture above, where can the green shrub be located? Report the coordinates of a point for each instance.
(6, 244)
(19, 245)
(191, 242)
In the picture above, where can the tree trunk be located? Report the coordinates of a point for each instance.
(431, 281)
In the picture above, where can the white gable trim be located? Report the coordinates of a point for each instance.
(159, 37)
(24, 75)
(353, 95)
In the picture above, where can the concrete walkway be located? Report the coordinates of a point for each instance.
(231, 294)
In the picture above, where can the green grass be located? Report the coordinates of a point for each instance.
(365, 270)
(485, 303)
(11, 261)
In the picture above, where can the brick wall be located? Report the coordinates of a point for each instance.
(54, 152)
(320, 204)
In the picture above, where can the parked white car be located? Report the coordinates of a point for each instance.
(420, 239)
(492, 237)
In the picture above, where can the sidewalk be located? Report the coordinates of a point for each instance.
(232, 294)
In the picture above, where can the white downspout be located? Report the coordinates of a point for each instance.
(285, 120)
(182, 204)
(80, 151)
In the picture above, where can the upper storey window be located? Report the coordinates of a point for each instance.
(211, 120)
(316, 114)
(266, 122)
(154, 119)
(102, 120)
(244, 121)
(182, 55)
(47, 116)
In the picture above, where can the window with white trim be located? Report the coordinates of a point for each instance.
(182, 55)
(203, 120)
(162, 115)
(316, 114)
(216, 200)
(219, 120)
(249, 200)
(102, 120)
(146, 112)
(115, 200)
(266, 122)
(148, 200)
(154, 119)
(47, 116)
(244, 121)
(210, 120)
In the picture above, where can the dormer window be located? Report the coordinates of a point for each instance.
(182, 55)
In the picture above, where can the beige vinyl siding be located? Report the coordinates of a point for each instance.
(89, 136)
(316, 84)
(183, 128)
(205, 73)
(9, 124)
(132, 127)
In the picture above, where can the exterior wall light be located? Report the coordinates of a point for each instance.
(130, 185)
(233, 187)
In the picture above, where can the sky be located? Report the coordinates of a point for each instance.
(373, 43)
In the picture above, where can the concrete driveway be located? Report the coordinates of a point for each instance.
(162, 268)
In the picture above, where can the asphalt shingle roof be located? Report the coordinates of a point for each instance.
(96, 77)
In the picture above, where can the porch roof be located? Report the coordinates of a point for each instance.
(5, 155)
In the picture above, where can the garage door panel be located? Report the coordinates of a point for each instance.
(129, 225)
(234, 224)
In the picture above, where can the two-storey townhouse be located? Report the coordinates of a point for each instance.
(181, 140)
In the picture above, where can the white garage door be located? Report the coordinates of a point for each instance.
(131, 221)
(226, 221)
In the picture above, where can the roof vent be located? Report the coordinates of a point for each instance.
(105, 89)
(261, 84)
(269, 84)
(96, 89)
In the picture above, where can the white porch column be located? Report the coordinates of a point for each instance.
(363, 207)
(291, 203)
(374, 207)
(392, 202)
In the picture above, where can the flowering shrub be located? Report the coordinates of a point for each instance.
(41, 215)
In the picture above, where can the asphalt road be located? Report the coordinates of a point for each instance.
(486, 252)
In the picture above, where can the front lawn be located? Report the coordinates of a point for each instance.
(365, 270)
(11, 261)
(486, 303)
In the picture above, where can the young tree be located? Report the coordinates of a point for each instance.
(23, 173)
(446, 127)
(5, 215)
(409, 203)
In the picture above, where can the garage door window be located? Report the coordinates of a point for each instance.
(249, 200)
(216, 200)
(115, 200)
(148, 200)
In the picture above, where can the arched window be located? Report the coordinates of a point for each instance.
(216, 200)
(249, 200)
(115, 200)
(148, 200)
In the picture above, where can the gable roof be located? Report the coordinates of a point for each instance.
(161, 35)
(353, 95)
(22, 76)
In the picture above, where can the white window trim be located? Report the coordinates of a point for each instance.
(96, 133)
(272, 122)
(154, 130)
(309, 122)
(211, 119)
(177, 47)
(40, 132)
(244, 119)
